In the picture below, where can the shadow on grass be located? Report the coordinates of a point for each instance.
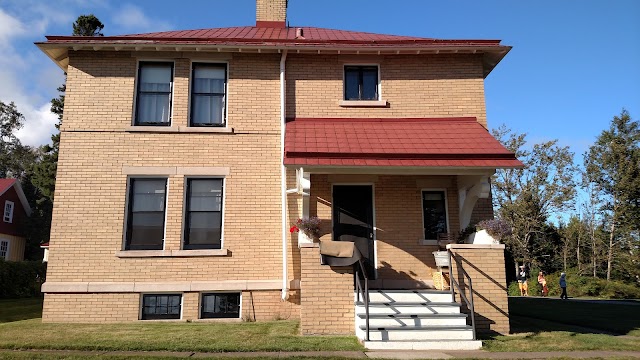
(20, 309)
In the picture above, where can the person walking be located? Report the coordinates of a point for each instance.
(543, 283)
(563, 286)
(522, 282)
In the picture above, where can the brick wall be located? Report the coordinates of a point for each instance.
(485, 266)
(326, 303)
(414, 86)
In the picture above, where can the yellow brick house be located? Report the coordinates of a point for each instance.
(186, 156)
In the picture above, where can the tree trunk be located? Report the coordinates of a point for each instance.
(610, 251)
(578, 248)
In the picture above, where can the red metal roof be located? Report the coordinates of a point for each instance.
(252, 35)
(430, 142)
(5, 184)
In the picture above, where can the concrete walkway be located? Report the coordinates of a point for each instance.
(388, 354)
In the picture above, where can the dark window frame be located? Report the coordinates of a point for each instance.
(424, 217)
(136, 121)
(187, 202)
(194, 94)
(221, 315)
(130, 201)
(360, 69)
(166, 316)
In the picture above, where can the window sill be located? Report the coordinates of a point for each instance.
(171, 253)
(363, 103)
(196, 129)
(152, 129)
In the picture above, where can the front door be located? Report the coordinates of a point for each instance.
(353, 220)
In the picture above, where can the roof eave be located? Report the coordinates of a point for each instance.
(492, 54)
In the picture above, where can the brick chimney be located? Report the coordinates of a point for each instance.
(271, 13)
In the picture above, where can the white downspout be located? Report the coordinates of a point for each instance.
(283, 178)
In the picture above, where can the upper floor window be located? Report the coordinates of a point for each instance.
(8, 211)
(146, 214)
(153, 99)
(208, 94)
(203, 223)
(361, 82)
(434, 211)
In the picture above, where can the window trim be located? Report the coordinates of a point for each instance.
(128, 212)
(6, 256)
(446, 208)
(185, 199)
(226, 95)
(134, 121)
(8, 219)
(377, 101)
(141, 305)
(201, 305)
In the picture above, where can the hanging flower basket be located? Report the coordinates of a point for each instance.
(309, 226)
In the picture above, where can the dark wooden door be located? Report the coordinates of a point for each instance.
(353, 220)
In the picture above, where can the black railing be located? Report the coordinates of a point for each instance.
(363, 292)
(454, 285)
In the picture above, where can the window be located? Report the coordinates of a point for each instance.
(161, 306)
(8, 211)
(153, 104)
(220, 305)
(434, 210)
(361, 83)
(4, 249)
(203, 214)
(208, 90)
(145, 222)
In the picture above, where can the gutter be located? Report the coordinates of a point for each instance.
(283, 177)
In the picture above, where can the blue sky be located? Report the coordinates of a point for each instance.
(573, 66)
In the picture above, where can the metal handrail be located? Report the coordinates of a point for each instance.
(457, 286)
(364, 292)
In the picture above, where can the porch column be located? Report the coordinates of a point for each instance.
(470, 189)
(326, 296)
(485, 266)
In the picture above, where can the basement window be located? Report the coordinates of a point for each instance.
(361, 83)
(220, 306)
(161, 306)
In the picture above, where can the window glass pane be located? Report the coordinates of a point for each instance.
(205, 195)
(370, 84)
(205, 228)
(351, 84)
(147, 229)
(209, 79)
(221, 305)
(435, 214)
(207, 109)
(155, 77)
(153, 108)
(148, 195)
(161, 307)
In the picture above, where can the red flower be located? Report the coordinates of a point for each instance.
(299, 221)
(293, 229)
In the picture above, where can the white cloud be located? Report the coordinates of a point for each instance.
(132, 18)
(41, 124)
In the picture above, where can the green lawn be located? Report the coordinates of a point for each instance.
(29, 356)
(21, 309)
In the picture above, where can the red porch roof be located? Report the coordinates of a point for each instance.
(427, 142)
(5, 184)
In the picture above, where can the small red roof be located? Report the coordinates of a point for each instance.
(44, 245)
(430, 142)
(5, 184)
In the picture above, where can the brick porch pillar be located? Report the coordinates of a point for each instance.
(485, 266)
(326, 296)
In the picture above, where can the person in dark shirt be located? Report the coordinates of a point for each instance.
(522, 282)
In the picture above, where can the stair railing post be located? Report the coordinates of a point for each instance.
(451, 278)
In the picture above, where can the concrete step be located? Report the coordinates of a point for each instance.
(409, 308)
(410, 296)
(416, 333)
(424, 345)
(385, 320)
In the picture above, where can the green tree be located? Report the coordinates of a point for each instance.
(87, 25)
(527, 197)
(15, 158)
(613, 168)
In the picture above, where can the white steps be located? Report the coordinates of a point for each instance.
(414, 320)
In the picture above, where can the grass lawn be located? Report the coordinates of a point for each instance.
(21, 309)
(29, 356)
